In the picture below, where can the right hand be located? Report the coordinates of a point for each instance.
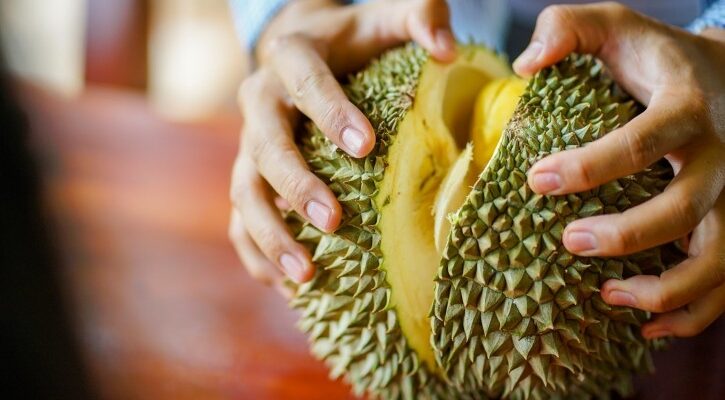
(300, 53)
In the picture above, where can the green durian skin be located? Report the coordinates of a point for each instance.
(515, 314)
(346, 307)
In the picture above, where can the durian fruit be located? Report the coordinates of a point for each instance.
(515, 314)
(447, 278)
(366, 309)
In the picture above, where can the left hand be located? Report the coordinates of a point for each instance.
(680, 77)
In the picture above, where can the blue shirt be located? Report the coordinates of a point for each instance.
(501, 24)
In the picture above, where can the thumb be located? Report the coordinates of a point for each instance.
(427, 22)
(563, 29)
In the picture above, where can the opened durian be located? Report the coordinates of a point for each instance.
(447, 278)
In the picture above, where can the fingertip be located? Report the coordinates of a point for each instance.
(545, 182)
(653, 330)
(444, 48)
(309, 273)
(528, 62)
(662, 325)
(325, 215)
(544, 178)
(608, 285)
(297, 266)
(607, 288)
(358, 137)
(368, 143)
(335, 217)
(617, 297)
(579, 239)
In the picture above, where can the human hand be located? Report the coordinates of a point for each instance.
(680, 78)
(300, 53)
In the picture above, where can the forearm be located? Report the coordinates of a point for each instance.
(714, 33)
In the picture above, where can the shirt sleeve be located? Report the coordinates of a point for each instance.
(252, 16)
(713, 17)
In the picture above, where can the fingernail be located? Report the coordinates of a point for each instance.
(444, 40)
(530, 54)
(578, 241)
(658, 334)
(546, 182)
(353, 139)
(318, 213)
(621, 298)
(292, 266)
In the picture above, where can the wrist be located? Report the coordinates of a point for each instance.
(287, 20)
(714, 33)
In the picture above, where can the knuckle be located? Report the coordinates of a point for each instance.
(662, 302)
(258, 273)
(250, 88)
(269, 151)
(295, 188)
(584, 172)
(688, 210)
(334, 117)
(624, 240)
(260, 147)
(692, 326)
(306, 84)
(696, 112)
(718, 270)
(286, 41)
(238, 192)
(233, 234)
(616, 9)
(555, 14)
(640, 146)
(268, 241)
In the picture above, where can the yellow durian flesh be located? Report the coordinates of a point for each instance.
(494, 107)
(428, 142)
(451, 194)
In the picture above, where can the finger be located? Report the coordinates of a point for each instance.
(674, 288)
(425, 21)
(316, 92)
(665, 126)
(690, 320)
(282, 204)
(702, 272)
(664, 218)
(258, 266)
(591, 28)
(265, 226)
(268, 141)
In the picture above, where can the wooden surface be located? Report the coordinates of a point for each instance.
(163, 307)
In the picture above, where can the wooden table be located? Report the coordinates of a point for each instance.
(163, 307)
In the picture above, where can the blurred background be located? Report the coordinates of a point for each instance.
(129, 110)
(131, 114)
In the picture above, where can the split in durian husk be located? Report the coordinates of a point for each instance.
(367, 308)
(509, 303)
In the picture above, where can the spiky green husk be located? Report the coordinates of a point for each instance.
(515, 312)
(346, 307)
